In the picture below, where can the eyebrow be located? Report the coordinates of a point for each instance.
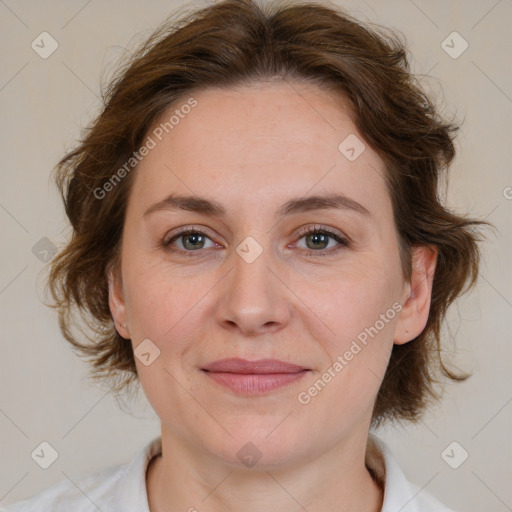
(293, 206)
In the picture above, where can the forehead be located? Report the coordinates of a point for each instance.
(257, 141)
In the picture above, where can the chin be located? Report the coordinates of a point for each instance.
(261, 446)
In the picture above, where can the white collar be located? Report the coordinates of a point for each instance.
(399, 494)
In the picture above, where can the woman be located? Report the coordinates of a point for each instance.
(258, 239)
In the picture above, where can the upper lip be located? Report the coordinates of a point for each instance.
(243, 366)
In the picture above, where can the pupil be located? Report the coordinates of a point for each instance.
(318, 237)
(194, 238)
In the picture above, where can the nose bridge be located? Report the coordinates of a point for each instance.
(254, 298)
(250, 273)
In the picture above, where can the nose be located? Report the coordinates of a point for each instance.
(253, 300)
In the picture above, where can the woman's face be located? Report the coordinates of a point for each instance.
(251, 283)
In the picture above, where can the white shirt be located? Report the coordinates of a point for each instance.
(122, 488)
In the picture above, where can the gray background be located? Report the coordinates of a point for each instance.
(45, 395)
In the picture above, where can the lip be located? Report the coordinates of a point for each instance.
(244, 366)
(254, 377)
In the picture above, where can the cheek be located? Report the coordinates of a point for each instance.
(160, 297)
(353, 298)
(359, 307)
(169, 310)
(360, 314)
(173, 309)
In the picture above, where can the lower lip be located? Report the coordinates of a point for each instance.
(255, 384)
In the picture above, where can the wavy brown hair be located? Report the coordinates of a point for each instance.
(237, 42)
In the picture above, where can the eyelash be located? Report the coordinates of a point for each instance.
(187, 231)
(344, 242)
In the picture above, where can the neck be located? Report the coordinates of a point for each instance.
(183, 478)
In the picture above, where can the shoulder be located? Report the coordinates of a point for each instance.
(399, 493)
(426, 502)
(116, 488)
(78, 493)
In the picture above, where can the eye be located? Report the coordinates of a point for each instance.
(317, 239)
(190, 239)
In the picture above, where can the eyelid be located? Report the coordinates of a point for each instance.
(186, 230)
(318, 228)
(342, 239)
